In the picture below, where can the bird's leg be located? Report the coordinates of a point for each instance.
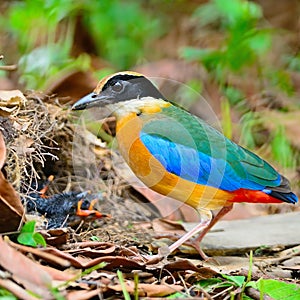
(165, 251)
(196, 242)
(204, 227)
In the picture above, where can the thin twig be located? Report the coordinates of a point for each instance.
(9, 68)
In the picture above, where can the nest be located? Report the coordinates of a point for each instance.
(44, 138)
(39, 137)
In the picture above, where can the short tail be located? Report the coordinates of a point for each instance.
(285, 197)
(282, 192)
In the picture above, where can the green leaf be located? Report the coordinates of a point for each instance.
(122, 31)
(39, 239)
(235, 11)
(177, 295)
(279, 290)
(260, 41)
(245, 297)
(210, 284)
(6, 295)
(28, 227)
(236, 280)
(29, 237)
(123, 285)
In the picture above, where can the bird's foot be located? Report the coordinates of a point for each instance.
(160, 257)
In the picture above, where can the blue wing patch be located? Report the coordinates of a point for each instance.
(195, 166)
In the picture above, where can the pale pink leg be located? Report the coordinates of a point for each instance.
(196, 242)
(205, 227)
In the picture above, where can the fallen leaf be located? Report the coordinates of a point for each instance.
(85, 262)
(25, 271)
(11, 100)
(149, 290)
(42, 254)
(183, 265)
(11, 208)
(83, 295)
(60, 275)
(2, 151)
(16, 289)
(56, 237)
(100, 250)
(72, 84)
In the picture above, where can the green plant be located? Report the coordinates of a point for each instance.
(244, 43)
(251, 124)
(293, 62)
(6, 295)
(44, 31)
(276, 289)
(29, 237)
(122, 31)
(44, 35)
(95, 238)
(123, 285)
(281, 148)
(245, 46)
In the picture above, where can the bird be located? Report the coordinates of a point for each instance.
(63, 209)
(179, 155)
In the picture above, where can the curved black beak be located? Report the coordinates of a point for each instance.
(91, 100)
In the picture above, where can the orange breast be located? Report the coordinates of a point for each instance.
(152, 173)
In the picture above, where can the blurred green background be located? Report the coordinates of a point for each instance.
(242, 56)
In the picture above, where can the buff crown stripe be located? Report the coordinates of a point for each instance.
(103, 81)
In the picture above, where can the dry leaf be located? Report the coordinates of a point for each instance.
(83, 295)
(16, 289)
(61, 275)
(150, 290)
(11, 208)
(2, 151)
(25, 271)
(11, 100)
(42, 254)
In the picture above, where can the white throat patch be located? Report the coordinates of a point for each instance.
(123, 108)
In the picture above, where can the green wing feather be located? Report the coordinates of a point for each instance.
(180, 127)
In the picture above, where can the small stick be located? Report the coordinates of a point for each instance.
(7, 68)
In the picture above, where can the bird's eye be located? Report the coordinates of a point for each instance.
(117, 87)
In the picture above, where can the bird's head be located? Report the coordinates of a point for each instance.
(119, 88)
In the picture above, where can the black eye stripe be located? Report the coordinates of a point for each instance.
(124, 77)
